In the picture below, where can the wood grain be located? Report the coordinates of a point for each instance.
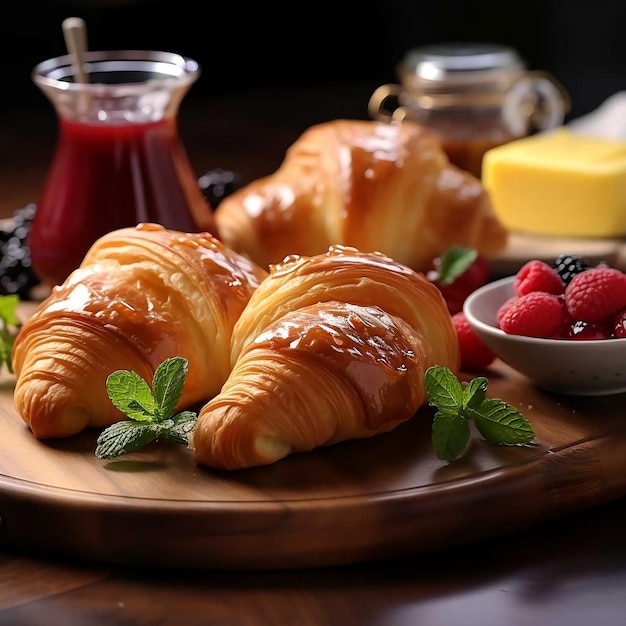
(353, 502)
(522, 247)
(24, 581)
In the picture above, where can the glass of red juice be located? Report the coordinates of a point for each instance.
(119, 159)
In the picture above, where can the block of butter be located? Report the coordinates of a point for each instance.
(559, 183)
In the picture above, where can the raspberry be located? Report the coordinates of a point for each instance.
(535, 314)
(596, 294)
(619, 325)
(504, 308)
(566, 327)
(584, 331)
(536, 275)
(455, 290)
(475, 355)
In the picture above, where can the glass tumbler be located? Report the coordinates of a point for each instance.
(119, 159)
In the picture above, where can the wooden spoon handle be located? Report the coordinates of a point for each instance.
(75, 33)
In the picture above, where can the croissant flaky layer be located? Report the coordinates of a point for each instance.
(372, 185)
(329, 348)
(140, 296)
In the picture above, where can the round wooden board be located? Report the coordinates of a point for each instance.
(523, 247)
(356, 501)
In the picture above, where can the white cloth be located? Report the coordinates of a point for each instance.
(608, 121)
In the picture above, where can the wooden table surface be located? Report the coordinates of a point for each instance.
(570, 571)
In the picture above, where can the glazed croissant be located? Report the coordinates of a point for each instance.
(140, 296)
(329, 348)
(367, 184)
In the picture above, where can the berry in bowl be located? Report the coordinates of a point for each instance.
(563, 325)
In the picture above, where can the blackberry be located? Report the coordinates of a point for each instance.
(568, 265)
(217, 184)
(16, 273)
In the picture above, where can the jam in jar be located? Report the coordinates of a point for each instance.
(119, 159)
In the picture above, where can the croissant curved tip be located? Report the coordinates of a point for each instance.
(271, 448)
(66, 421)
(218, 448)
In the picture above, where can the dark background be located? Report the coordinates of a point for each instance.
(248, 45)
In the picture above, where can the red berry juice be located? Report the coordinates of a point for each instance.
(106, 176)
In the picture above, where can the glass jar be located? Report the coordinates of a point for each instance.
(475, 96)
(119, 159)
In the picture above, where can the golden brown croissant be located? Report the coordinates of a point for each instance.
(329, 348)
(140, 296)
(367, 184)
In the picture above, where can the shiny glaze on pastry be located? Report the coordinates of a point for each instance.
(141, 295)
(329, 348)
(371, 185)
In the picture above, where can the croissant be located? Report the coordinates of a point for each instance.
(367, 184)
(141, 295)
(329, 348)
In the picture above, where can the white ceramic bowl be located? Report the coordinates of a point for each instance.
(583, 368)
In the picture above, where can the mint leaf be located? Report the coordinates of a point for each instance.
(167, 384)
(131, 395)
(450, 435)
(501, 423)
(151, 411)
(444, 389)
(180, 427)
(123, 437)
(9, 327)
(6, 348)
(8, 309)
(497, 421)
(455, 261)
(474, 393)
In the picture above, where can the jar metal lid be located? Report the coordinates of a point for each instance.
(442, 62)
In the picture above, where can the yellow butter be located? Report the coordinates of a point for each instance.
(559, 183)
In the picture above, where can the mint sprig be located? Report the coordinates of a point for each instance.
(498, 422)
(9, 326)
(455, 261)
(151, 411)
